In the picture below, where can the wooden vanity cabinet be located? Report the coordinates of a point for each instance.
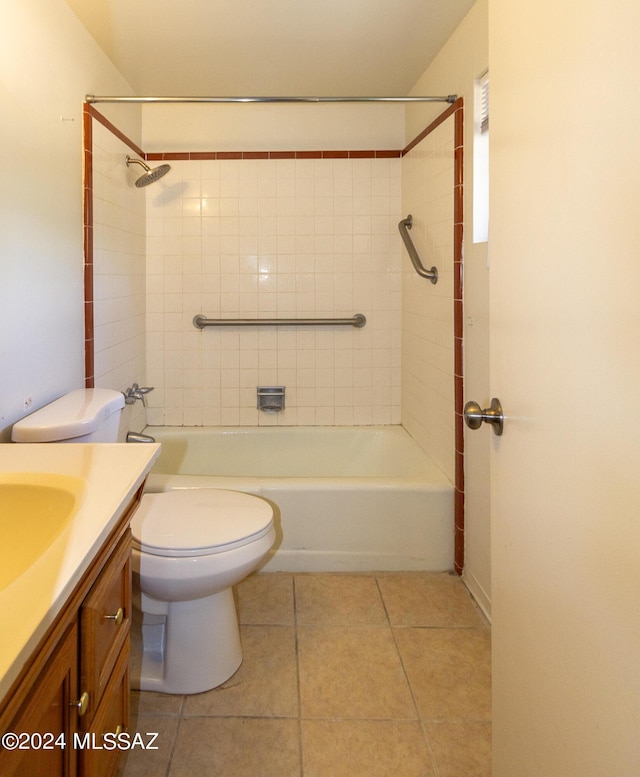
(76, 686)
(47, 710)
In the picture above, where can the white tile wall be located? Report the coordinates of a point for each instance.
(274, 238)
(427, 311)
(119, 269)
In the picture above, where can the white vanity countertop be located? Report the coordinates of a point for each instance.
(29, 604)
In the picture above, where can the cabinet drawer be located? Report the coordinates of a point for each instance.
(105, 621)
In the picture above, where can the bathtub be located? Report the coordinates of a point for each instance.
(345, 498)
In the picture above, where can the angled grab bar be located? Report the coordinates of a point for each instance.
(403, 227)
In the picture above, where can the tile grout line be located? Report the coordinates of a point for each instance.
(179, 719)
(427, 743)
(295, 631)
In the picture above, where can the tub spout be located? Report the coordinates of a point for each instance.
(139, 437)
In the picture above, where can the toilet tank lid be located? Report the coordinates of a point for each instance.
(73, 415)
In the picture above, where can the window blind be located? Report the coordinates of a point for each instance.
(484, 103)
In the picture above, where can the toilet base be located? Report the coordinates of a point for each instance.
(185, 647)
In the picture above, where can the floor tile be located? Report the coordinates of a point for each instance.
(364, 748)
(264, 685)
(266, 599)
(344, 675)
(429, 599)
(236, 747)
(150, 763)
(460, 748)
(334, 600)
(351, 672)
(449, 671)
(150, 703)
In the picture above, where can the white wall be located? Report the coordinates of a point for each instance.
(48, 62)
(565, 318)
(305, 238)
(427, 377)
(272, 127)
(119, 245)
(463, 59)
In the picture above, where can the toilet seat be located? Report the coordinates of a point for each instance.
(198, 522)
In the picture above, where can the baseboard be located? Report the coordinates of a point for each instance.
(482, 599)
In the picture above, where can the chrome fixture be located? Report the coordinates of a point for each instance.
(92, 98)
(139, 437)
(271, 398)
(474, 416)
(404, 226)
(357, 321)
(150, 175)
(136, 392)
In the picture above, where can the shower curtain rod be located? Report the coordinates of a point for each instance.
(92, 98)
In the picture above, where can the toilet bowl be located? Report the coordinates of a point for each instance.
(189, 548)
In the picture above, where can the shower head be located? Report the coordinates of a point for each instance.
(150, 175)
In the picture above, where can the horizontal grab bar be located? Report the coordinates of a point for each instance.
(358, 321)
(404, 226)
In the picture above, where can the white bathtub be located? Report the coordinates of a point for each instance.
(345, 498)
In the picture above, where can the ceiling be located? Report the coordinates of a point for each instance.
(271, 47)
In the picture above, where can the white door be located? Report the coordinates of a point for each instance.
(565, 362)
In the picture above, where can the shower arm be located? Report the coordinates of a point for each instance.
(132, 160)
(403, 227)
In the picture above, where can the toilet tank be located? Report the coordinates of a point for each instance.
(84, 415)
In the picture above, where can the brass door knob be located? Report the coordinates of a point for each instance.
(474, 416)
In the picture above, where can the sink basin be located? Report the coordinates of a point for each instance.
(35, 508)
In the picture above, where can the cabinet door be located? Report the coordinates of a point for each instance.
(100, 758)
(47, 719)
(105, 621)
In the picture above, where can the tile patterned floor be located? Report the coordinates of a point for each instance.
(343, 676)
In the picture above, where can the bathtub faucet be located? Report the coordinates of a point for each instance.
(136, 392)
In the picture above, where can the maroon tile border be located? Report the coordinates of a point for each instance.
(87, 204)
(458, 307)
(164, 156)
(94, 114)
(450, 111)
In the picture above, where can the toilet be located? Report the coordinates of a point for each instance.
(190, 546)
